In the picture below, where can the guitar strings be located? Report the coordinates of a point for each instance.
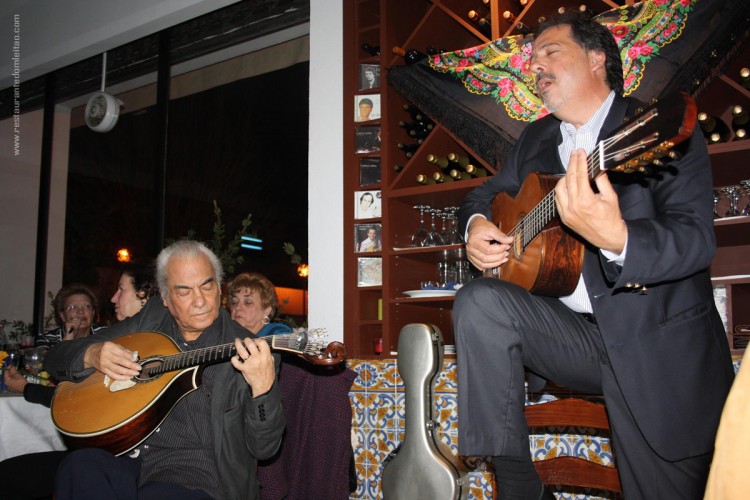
(311, 339)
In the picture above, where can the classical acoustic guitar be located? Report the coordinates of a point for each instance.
(118, 415)
(547, 258)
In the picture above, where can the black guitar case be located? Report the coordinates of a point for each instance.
(423, 467)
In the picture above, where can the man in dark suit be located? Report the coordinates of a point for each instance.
(640, 327)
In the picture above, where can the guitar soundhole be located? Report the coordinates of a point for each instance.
(151, 370)
(518, 241)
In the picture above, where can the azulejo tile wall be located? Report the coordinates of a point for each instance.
(378, 416)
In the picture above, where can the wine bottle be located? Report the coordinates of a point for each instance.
(398, 168)
(419, 133)
(424, 179)
(745, 77)
(410, 56)
(561, 10)
(458, 175)
(740, 134)
(475, 171)
(511, 18)
(373, 50)
(410, 126)
(713, 125)
(740, 118)
(440, 177)
(484, 24)
(409, 148)
(440, 161)
(456, 158)
(583, 8)
(716, 138)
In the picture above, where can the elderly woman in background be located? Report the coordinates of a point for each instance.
(75, 309)
(32, 476)
(253, 304)
(135, 287)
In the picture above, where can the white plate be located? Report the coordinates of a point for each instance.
(430, 293)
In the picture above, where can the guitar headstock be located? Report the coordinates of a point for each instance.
(311, 345)
(647, 138)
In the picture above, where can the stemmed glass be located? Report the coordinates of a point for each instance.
(433, 238)
(444, 233)
(717, 197)
(746, 187)
(419, 238)
(454, 236)
(733, 193)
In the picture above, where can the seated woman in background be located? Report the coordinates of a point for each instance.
(32, 476)
(253, 304)
(75, 309)
(135, 287)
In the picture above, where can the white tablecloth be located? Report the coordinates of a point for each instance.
(26, 428)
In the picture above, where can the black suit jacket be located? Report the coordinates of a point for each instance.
(665, 342)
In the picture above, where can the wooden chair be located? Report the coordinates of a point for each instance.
(573, 471)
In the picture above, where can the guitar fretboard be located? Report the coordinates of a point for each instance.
(309, 342)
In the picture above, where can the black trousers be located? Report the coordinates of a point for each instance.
(501, 331)
(93, 474)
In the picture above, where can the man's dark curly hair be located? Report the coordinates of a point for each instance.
(591, 35)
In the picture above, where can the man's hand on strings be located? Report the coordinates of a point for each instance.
(596, 217)
(486, 245)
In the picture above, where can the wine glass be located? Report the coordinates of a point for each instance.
(433, 238)
(746, 187)
(454, 236)
(717, 197)
(420, 236)
(444, 233)
(33, 358)
(733, 193)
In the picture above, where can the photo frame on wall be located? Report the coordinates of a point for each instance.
(369, 271)
(369, 170)
(366, 107)
(367, 204)
(367, 139)
(369, 76)
(367, 237)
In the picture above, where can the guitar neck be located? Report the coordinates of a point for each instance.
(297, 343)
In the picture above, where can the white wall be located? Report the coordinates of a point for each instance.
(325, 179)
(19, 195)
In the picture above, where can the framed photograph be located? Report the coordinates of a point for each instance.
(367, 204)
(369, 76)
(367, 139)
(367, 237)
(369, 271)
(369, 171)
(366, 107)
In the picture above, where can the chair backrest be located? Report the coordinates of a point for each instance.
(573, 471)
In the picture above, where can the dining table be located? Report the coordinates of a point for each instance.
(26, 427)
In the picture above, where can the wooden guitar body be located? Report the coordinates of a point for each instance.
(79, 408)
(423, 467)
(119, 415)
(549, 264)
(546, 258)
